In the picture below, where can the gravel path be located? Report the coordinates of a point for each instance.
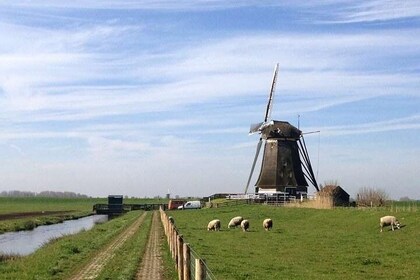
(151, 267)
(92, 269)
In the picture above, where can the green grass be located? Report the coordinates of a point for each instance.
(78, 207)
(304, 243)
(29, 204)
(169, 272)
(61, 257)
(127, 258)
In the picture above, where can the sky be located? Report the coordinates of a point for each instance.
(145, 98)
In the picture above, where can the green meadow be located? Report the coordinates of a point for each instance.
(72, 207)
(60, 258)
(340, 243)
(29, 204)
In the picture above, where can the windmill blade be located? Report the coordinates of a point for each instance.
(311, 132)
(253, 164)
(255, 128)
(259, 127)
(271, 95)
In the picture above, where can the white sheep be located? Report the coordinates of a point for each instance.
(389, 220)
(214, 225)
(268, 224)
(245, 225)
(234, 222)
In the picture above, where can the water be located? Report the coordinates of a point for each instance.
(26, 242)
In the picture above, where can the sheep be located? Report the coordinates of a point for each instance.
(234, 222)
(389, 220)
(214, 225)
(268, 224)
(245, 225)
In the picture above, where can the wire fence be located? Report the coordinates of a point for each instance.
(189, 265)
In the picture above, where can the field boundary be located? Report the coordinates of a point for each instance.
(188, 264)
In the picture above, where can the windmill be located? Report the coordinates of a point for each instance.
(285, 164)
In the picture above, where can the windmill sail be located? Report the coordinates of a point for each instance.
(271, 95)
(253, 164)
(259, 127)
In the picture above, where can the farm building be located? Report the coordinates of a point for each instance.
(338, 196)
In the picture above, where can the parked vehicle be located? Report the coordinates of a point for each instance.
(175, 203)
(196, 204)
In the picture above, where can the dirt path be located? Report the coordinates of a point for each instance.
(151, 267)
(92, 269)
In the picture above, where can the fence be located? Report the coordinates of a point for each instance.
(229, 203)
(188, 263)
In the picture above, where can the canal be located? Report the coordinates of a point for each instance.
(26, 242)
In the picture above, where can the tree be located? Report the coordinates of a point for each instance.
(371, 197)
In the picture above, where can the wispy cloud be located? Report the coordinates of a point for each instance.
(162, 83)
(391, 125)
(373, 11)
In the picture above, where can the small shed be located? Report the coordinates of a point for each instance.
(115, 204)
(339, 196)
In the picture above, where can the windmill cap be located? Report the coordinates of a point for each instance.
(282, 129)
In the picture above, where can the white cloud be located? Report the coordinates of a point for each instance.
(371, 11)
(133, 105)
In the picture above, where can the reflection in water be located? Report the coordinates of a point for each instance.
(26, 242)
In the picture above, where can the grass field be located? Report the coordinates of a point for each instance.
(342, 243)
(74, 207)
(60, 258)
(29, 204)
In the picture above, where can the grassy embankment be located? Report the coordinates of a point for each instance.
(61, 257)
(129, 256)
(73, 207)
(305, 243)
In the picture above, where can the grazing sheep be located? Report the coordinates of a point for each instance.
(268, 224)
(245, 225)
(234, 222)
(389, 220)
(214, 225)
(171, 219)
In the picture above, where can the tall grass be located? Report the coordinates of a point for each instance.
(304, 243)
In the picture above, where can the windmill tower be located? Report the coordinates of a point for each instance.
(285, 164)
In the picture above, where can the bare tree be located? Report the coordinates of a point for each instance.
(371, 197)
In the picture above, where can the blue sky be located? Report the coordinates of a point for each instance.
(142, 97)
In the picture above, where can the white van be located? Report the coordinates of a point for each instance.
(196, 204)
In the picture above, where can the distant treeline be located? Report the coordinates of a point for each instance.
(42, 194)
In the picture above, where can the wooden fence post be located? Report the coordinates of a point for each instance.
(173, 240)
(180, 255)
(171, 237)
(200, 273)
(187, 270)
